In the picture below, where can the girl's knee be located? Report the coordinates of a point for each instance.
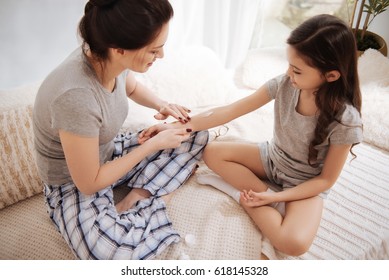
(295, 244)
(209, 152)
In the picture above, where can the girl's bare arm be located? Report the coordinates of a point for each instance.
(216, 116)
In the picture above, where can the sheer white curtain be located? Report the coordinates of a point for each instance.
(226, 26)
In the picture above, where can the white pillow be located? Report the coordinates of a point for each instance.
(373, 68)
(261, 65)
(192, 77)
(19, 96)
(375, 104)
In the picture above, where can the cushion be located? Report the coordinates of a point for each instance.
(375, 104)
(193, 77)
(260, 65)
(19, 177)
(373, 68)
(18, 97)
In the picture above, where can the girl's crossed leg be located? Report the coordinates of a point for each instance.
(240, 165)
(237, 163)
(292, 234)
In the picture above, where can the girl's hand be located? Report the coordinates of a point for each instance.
(168, 138)
(178, 112)
(256, 199)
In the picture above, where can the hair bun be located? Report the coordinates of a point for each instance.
(102, 3)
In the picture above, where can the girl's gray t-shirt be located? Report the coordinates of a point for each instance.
(293, 132)
(72, 99)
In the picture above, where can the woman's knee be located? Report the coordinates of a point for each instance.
(202, 137)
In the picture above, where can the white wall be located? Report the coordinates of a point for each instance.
(380, 26)
(35, 35)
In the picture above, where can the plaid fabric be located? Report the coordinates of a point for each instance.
(92, 227)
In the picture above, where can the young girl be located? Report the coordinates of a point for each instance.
(317, 106)
(78, 112)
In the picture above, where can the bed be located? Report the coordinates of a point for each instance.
(355, 223)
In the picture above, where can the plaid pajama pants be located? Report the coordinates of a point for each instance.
(91, 225)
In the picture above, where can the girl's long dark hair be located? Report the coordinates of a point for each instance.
(125, 24)
(327, 43)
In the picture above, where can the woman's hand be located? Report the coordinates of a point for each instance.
(166, 138)
(178, 112)
(256, 199)
(145, 97)
(150, 132)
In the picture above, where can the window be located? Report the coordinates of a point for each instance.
(276, 19)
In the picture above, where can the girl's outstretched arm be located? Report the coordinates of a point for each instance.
(333, 165)
(217, 116)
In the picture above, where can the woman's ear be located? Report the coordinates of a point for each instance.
(115, 52)
(332, 76)
(118, 51)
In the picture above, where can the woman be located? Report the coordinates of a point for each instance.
(78, 112)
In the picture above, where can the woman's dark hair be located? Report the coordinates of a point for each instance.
(327, 43)
(125, 24)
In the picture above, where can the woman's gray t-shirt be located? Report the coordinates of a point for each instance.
(293, 132)
(72, 99)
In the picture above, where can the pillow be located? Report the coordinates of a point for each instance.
(261, 65)
(375, 103)
(19, 178)
(373, 68)
(194, 77)
(17, 97)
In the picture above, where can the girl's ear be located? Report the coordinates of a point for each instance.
(332, 76)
